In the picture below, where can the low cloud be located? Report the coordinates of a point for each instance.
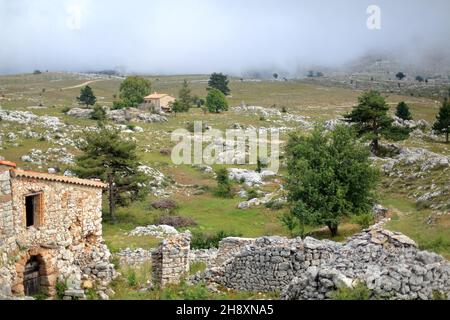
(201, 36)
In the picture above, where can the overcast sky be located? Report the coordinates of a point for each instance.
(201, 36)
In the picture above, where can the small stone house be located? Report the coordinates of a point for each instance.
(158, 102)
(50, 232)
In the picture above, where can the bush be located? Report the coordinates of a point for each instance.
(65, 110)
(223, 188)
(61, 288)
(176, 221)
(364, 220)
(359, 292)
(117, 105)
(274, 205)
(165, 204)
(98, 113)
(252, 194)
(207, 241)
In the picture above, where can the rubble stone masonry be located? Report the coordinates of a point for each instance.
(65, 238)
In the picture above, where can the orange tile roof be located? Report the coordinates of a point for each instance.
(156, 96)
(8, 163)
(52, 177)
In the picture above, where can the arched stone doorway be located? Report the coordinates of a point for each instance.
(35, 274)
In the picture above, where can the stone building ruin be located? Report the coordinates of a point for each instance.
(170, 261)
(50, 232)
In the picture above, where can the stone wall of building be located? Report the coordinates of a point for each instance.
(67, 240)
(170, 261)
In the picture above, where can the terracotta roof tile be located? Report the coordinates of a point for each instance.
(156, 96)
(8, 163)
(56, 178)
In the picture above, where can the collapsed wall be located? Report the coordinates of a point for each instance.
(388, 263)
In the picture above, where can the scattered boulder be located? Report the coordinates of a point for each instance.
(80, 113)
(160, 231)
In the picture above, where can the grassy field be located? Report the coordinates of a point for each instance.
(53, 92)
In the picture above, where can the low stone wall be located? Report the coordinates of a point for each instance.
(388, 263)
(170, 261)
(268, 264)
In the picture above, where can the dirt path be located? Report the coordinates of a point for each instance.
(82, 85)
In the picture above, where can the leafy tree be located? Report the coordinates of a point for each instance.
(403, 111)
(98, 113)
(220, 82)
(223, 184)
(310, 74)
(329, 177)
(133, 90)
(184, 96)
(442, 124)
(87, 96)
(400, 75)
(275, 76)
(178, 106)
(420, 79)
(216, 101)
(37, 72)
(108, 157)
(370, 117)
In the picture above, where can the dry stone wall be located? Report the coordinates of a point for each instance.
(170, 261)
(388, 263)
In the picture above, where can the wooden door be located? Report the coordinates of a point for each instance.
(31, 278)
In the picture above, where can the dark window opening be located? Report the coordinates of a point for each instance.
(32, 207)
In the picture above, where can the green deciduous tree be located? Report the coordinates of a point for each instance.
(442, 124)
(220, 82)
(110, 158)
(87, 97)
(216, 101)
(370, 117)
(133, 90)
(178, 106)
(403, 111)
(329, 177)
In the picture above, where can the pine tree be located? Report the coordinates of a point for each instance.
(370, 117)
(220, 82)
(184, 96)
(403, 111)
(108, 157)
(442, 124)
(87, 96)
